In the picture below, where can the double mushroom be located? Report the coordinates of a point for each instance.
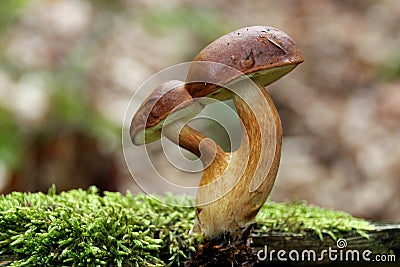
(237, 66)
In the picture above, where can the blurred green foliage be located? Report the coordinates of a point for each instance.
(204, 24)
(70, 104)
(65, 85)
(11, 144)
(71, 109)
(390, 70)
(8, 12)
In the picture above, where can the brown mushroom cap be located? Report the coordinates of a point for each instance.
(169, 98)
(254, 51)
(260, 52)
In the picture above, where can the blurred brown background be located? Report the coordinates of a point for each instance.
(68, 69)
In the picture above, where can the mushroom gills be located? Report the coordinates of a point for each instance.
(268, 76)
(153, 133)
(264, 77)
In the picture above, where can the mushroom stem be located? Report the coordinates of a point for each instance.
(242, 189)
(235, 185)
(199, 144)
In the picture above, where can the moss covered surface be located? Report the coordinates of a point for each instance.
(300, 217)
(82, 228)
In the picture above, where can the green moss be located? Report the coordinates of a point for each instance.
(299, 217)
(82, 228)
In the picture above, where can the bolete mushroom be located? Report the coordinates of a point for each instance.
(238, 65)
(264, 54)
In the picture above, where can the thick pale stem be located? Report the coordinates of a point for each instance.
(230, 202)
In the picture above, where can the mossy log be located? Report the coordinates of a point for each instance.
(83, 228)
(384, 241)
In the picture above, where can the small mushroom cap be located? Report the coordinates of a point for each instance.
(253, 51)
(170, 99)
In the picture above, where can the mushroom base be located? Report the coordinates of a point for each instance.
(222, 251)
